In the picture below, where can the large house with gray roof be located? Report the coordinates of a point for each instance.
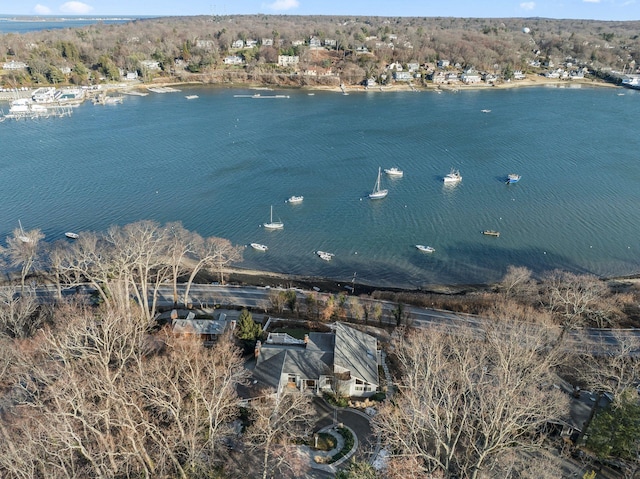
(344, 361)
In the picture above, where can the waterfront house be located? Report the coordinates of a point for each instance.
(518, 75)
(251, 43)
(237, 44)
(344, 361)
(443, 63)
(288, 60)
(330, 42)
(206, 330)
(233, 60)
(401, 76)
(470, 77)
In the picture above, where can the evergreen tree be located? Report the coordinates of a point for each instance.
(247, 329)
(615, 431)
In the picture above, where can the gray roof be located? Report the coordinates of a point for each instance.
(199, 326)
(348, 348)
(357, 352)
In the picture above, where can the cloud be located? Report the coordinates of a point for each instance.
(75, 8)
(284, 4)
(528, 5)
(41, 10)
(591, 1)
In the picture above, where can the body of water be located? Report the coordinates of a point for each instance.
(217, 163)
(24, 24)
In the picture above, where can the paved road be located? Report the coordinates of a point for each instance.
(256, 298)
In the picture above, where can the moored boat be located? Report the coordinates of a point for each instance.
(259, 247)
(295, 199)
(273, 225)
(491, 233)
(425, 249)
(513, 178)
(324, 255)
(454, 176)
(378, 193)
(72, 235)
(397, 172)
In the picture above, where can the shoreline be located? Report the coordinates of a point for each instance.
(531, 81)
(260, 278)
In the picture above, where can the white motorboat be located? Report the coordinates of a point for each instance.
(397, 172)
(453, 177)
(273, 225)
(295, 199)
(72, 235)
(425, 249)
(191, 97)
(378, 193)
(324, 255)
(259, 247)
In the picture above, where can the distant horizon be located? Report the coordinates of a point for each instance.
(604, 10)
(62, 17)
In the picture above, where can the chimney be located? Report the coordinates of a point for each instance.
(256, 350)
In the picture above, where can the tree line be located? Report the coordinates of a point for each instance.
(201, 43)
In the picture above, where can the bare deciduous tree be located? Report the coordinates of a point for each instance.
(278, 421)
(467, 398)
(23, 248)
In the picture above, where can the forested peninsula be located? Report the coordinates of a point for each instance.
(322, 51)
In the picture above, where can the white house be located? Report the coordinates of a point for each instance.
(443, 63)
(14, 65)
(150, 64)
(267, 42)
(233, 60)
(288, 60)
(315, 43)
(470, 77)
(237, 44)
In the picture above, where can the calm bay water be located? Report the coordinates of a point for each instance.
(24, 24)
(217, 163)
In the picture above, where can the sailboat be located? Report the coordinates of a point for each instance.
(273, 225)
(23, 236)
(378, 193)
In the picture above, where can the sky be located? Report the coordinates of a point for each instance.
(581, 9)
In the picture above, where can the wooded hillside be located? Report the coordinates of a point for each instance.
(350, 49)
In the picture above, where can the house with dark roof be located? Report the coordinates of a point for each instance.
(344, 361)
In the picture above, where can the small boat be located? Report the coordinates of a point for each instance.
(191, 97)
(259, 247)
(491, 233)
(273, 225)
(377, 192)
(23, 236)
(453, 177)
(485, 111)
(425, 249)
(325, 256)
(295, 199)
(71, 235)
(394, 171)
(513, 178)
